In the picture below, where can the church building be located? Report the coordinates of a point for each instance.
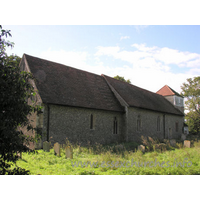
(84, 107)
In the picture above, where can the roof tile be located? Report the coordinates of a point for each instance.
(64, 85)
(141, 98)
(167, 91)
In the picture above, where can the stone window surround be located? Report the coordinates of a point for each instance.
(139, 123)
(115, 126)
(176, 126)
(92, 124)
(158, 123)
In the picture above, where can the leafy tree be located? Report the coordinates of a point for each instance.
(4, 43)
(191, 92)
(120, 78)
(15, 89)
(12, 60)
(193, 122)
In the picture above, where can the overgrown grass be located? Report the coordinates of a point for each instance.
(114, 159)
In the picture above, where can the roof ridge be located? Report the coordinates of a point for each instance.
(71, 86)
(122, 88)
(62, 64)
(175, 93)
(170, 89)
(115, 91)
(161, 89)
(132, 85)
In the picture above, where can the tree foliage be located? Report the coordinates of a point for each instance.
(191, 92)
(4, 43)
(121, 78)
(15, 89)
(12, 60)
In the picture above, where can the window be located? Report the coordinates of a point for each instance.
(176, 126)
(139, 123)
(91, 121)
(115, 126)
(158, 123)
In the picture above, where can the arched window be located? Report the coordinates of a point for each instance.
(91, 121)
(139, 123)
(176, 125)
(115, 126)
(158, 123)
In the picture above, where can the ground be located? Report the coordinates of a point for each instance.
(122, 159)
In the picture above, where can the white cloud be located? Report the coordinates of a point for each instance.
(150, 67)
(74, 59)
(142, 47)
(110, 51)
(170, 56)
(153, 80)
(124, 37)
(194, 71)
(162, 56)
(146, 67)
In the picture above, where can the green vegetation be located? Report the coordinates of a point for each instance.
(121, 78)
(154, 162)
(15, 89)
(191, 93)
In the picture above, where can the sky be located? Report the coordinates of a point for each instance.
(148, 42)
(151, 56)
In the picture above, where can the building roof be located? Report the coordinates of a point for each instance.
(141, 98)
(64, 85)
(167, 91)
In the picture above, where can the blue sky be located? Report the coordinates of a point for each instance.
(151, 56)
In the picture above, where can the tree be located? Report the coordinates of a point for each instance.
(4, 43)
(12, 60)
(191, 92)
(15, 89)
(120, 78)
(193, 122)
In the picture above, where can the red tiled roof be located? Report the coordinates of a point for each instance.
(63, 85)
(167, 91)
(138, 97)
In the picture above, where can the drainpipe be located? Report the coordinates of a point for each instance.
(48, 119)
(126, 124)
(164, 125)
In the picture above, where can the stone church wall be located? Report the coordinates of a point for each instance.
(149, 125)
(74, 124)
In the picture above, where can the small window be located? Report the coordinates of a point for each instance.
(91, 121)
(158, 123)
(115, 126)
(176, 126)
(138, 123)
